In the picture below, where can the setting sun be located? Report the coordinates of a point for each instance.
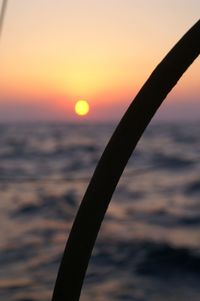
(82, 107)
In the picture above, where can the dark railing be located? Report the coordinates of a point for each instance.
(113, 161)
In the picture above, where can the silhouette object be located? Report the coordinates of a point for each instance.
(2, 14)
(113, 161)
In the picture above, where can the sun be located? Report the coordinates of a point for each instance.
(82, 107)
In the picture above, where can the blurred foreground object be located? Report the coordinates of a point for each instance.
(113, 161)
(2, 14)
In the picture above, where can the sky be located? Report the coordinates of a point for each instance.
(55, 52)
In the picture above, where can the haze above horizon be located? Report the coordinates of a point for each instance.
(53, 53)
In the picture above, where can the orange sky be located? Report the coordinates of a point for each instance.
(53, 53)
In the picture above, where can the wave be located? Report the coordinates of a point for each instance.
(171, 162)
(62, 207)
(164, 260)
(193, 188)
(148, 258)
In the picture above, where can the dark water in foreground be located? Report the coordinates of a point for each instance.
(149, 245)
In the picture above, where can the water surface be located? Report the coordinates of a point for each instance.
(149, 244)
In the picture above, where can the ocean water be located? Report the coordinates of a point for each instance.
(149, 244)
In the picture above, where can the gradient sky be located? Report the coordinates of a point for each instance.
(54, 52)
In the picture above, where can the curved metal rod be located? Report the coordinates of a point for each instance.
(113, 161)
(2, 14)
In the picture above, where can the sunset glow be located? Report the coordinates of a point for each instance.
(102, 51)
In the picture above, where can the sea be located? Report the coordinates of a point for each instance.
(148, 248)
